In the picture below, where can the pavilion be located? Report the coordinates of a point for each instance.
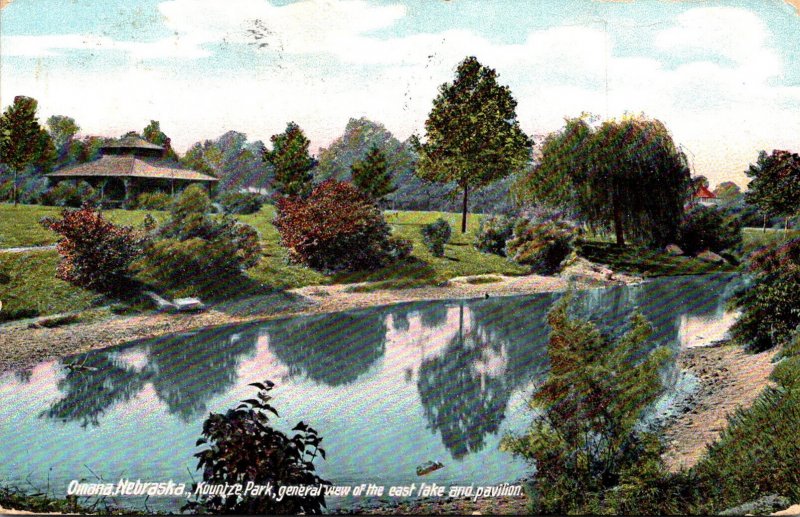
(130, 166)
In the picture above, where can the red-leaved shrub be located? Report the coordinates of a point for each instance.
(95, 253)
(337, 228)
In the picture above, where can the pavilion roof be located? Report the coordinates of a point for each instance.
(704, 193)
(123, 166)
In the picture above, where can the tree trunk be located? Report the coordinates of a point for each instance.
(14, 188)
(764, 229)
(464, 211)
(618, 223)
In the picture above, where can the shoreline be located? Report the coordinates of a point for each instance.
(25, 343)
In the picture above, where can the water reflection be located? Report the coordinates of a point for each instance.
(332, 349)
(451, 367)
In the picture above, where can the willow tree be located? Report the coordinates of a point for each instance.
(472, 136)
(623, 175)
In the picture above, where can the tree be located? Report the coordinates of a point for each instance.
(153, 134)
(231, 158)
(292, 163)
(473, 137)
(775, 184)
(62, 130)
(372, 175)
(728, 192)
(584, 434)
(23, 140)
(626, 175)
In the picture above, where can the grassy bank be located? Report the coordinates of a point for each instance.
(758, 452)
(28, 286)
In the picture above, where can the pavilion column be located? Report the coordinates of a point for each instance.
(126, 183)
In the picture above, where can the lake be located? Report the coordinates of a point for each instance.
(388, 388)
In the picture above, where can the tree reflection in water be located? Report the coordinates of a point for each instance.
(333, 349)
(185, 372)
(465, 390)
(100, 382)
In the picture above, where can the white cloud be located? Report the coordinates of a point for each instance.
(724, 111)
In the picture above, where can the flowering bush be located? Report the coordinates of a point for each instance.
(95, 253)
(542, 245)
(336, 228)
(435, 235)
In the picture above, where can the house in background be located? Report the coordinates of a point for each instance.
(704, 197)
(130, 166)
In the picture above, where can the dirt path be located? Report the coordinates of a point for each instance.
(26, 249)
(729, 378)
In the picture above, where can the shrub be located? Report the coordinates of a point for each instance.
(435, 235)
(241, 447)
(240, 202)
(69, 194)
(95, 253)
(770, 304)
(336, 228)
(583, 437)
(153, 201)
(493, 232)
(541, 245)
(196, 251)
(707, 228)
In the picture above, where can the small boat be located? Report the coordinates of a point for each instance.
(428, 467)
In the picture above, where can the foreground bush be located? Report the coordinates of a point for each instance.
(95, 253)
(493, 233)
(435, 235)
(337, 228)
(583, 438)
(241, 447)
(195, 252)
(153, 201)
(707, 228)
(240, 203)
(771, 305)
(542, 245)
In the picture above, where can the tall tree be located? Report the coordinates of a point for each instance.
(372, 175)
(775, 184)
(153, 134)
(62, 130)
(472, 136)
(24, 140)
(626, 175)
(291, 161)
(231, 158)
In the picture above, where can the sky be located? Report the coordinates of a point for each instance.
(724, 76)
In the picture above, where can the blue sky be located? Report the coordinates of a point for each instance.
(723, 75)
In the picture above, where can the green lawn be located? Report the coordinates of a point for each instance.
(19, 225)
(28, 287)
(31, 288)
(754, 238)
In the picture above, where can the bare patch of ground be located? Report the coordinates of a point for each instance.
(729, 378)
